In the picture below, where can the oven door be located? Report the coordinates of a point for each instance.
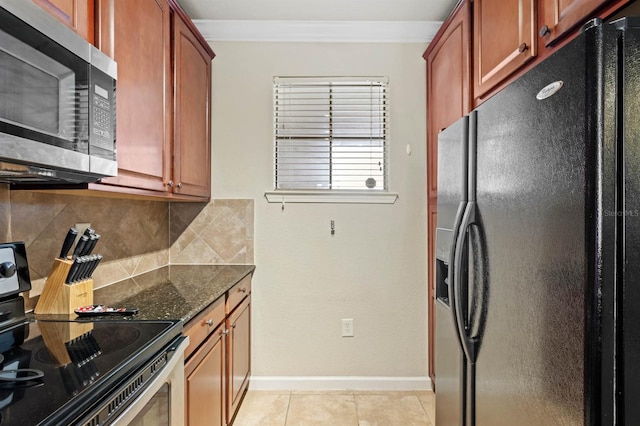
(162, 402)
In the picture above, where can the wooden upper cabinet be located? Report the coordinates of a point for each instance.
(162, 99)
(138, 36)
(504, 39)
(448, 98)
(192, 133)
(557, 17)
(75, 14)
(448, 76)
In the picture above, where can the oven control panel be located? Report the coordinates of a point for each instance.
(14, 271)
(8, 277)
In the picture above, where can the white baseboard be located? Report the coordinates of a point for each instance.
(364, 383)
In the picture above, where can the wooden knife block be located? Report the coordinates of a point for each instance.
(60, 298)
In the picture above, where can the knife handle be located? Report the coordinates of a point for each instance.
(68, 242)
(73, 271)
(84, 269)
(89, 232)
(82, 242)
(94, 265)
(93, 240)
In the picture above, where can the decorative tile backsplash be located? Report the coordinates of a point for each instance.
(136, 235)
(220, 232)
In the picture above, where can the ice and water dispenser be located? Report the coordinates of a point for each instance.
(443, 249)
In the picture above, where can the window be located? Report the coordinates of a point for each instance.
(331, 133)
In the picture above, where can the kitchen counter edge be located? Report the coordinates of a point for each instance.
(173, 292)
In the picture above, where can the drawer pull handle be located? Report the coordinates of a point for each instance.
(209, 322)
(523, 47)
(224, 332)
(233, 325)
(242, 290)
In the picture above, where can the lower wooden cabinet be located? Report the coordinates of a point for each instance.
(218, 358)
(239, 359)
(205, 381)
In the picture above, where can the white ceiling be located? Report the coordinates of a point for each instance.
(318, 10)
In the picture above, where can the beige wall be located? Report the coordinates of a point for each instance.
(374, 269)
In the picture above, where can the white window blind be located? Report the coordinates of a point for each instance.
(331, 133)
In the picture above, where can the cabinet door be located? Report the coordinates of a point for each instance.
(448, 98)
(140, 42)
(75, 14)
(238, 355)
(205, 383)
(504, 39)
(559, 16)
(448, 70)
(192, 136)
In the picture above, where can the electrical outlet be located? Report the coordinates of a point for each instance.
(347, 327)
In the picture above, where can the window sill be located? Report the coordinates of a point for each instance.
(352, 197)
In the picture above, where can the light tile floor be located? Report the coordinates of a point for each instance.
(336, 408)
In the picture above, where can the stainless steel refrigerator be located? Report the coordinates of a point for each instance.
(538, 244)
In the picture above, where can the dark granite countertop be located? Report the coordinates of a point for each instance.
(170, 292)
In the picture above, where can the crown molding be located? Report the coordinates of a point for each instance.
(319, 31)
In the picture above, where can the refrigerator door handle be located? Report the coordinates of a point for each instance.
(467, 342)
(453, 272)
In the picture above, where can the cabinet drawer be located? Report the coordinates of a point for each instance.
(201, 326)
(238, 292)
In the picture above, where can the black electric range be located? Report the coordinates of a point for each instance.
(80, 362)
(72, 372)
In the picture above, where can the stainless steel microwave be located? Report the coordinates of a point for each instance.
(57, 101)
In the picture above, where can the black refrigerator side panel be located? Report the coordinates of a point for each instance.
(531, 210)
(628, 225)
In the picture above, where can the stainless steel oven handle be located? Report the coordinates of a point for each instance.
(177, 344)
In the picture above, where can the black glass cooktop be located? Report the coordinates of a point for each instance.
(81, 362)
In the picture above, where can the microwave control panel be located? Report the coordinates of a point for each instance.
(102, 111)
